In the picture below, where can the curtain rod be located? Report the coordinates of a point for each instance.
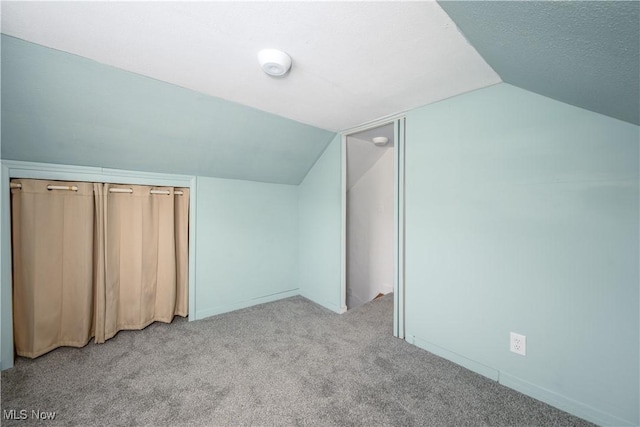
(111, 190)
(130, 190)
(50, 187)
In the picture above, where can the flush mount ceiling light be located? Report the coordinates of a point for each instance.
(274, 62)
(380, 140)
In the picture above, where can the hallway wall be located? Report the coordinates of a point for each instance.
(370, 232)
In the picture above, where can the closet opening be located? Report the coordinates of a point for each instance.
(373, 216)
(91, 259)
(89, 252)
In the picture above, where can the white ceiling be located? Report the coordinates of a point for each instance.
(353, 62)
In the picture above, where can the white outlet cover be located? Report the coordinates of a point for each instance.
(518, 344)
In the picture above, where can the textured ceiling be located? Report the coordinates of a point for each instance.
(353, 62)
(584, 53)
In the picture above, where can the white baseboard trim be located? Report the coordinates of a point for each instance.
(208, 312)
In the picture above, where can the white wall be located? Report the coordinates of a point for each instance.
(370, 232)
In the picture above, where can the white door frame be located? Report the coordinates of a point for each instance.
(398, 217)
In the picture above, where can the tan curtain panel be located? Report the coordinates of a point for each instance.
(96, 261)
(140, 271)
(99, 256)
(52, 236)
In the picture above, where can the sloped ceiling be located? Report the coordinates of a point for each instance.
(353, 62)
(176, 87)
(584, 53)
(65, 109)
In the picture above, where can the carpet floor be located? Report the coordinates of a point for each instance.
(285, 363)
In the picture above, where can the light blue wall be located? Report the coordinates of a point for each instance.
(247, 244)
(61, 108)
(320, 210)
(522, 215)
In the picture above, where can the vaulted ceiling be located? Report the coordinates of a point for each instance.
(102, 68)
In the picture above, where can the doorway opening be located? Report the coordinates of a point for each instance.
(373, 217)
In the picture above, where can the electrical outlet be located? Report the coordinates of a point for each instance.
(518, 344)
